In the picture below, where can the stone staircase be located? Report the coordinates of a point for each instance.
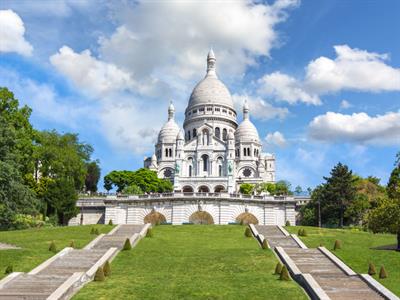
(42, 282)
(333, 280)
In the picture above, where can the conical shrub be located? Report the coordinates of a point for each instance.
(72, 244)
(9, 270)
(92, 231)
(304, 233)
(96, 231)
(287, 223)
(107, 269)
(382, 273)
(53, 247)
(300, 232)
(110, 222)
(278, 269)
(99, 276)
(264, 244)
(284, 274)
(338, 245)
(149, 232)
(247, 232)
(371, 269)
(127, 245)
(321, 245)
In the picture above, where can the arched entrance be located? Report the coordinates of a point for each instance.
(155, 218)
(219, 189)
(187, 189)
(246, 218)
(201, 217)
(204, 189)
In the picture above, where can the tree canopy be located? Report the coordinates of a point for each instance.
(144, 179)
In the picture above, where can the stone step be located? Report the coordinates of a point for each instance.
(127, 230)
(28, 286)
(269, 231)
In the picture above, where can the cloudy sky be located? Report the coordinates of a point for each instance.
(322, 77)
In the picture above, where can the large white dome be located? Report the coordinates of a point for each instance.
(210, 91)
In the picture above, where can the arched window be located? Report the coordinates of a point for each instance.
(248, 151)
(189, 135)
(204, 157)
(170, 152)
(194, 132)
(218, 132)
(244, 152)
(206, 137)
(190, 171)
(166, 152)
(224, 134)
(220, 170)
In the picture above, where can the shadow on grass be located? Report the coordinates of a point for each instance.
(386, 247)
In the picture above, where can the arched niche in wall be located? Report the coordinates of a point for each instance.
(246, 218)
(201, 217)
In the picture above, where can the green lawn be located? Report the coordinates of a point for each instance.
(35, 244)
(194, 262)
(357, 250)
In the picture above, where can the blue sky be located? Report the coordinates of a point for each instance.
(322, 77)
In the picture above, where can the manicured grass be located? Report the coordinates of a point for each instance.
(194, 262)
(357, 250)
(35, 243)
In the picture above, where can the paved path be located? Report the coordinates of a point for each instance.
(332, 279)
(43, 283)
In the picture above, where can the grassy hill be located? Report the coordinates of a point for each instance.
(358, 249)
(35, 243)
(194, 262)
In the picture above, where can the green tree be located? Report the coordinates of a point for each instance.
(339, 190)
(283, 187)
(298, 190)
(92, 176)
(146, 180)
(132, 189)
(246, 188)
(386, 217)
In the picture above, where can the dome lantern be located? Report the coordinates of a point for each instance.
(211, 64)
(171, 111)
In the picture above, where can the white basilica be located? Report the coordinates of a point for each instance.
(212, 153)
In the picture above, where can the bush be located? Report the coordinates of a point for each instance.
(382, 273)
(99, 276)
(284, 274)
(247, 232)
(92, 231)
(149, 233)
(371, 269)
(338, 245)
(278, 269)
(321, 244)
(110, 222)
(96, 231)
(72, 244)
(9, 270)
(287, 223)
(264, 244)
(127, 245)
(300, 232)
(53, 247)
(304, 232)
(107, 269)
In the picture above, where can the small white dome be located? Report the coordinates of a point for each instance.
(168, 132)
(246, 132)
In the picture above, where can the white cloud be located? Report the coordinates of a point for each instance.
(12, 32)
(357, 128)
(276, 139)
(285, 88)
(170, 37)
(259, 109)
(89, 73)
(345, 104)
(352, 69)
(45, 102)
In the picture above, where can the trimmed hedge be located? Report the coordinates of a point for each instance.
(127, 245)
(278, 269)
(284, 274)
(107, 269)
(53, 247)
(247, 232)
(99, 276)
